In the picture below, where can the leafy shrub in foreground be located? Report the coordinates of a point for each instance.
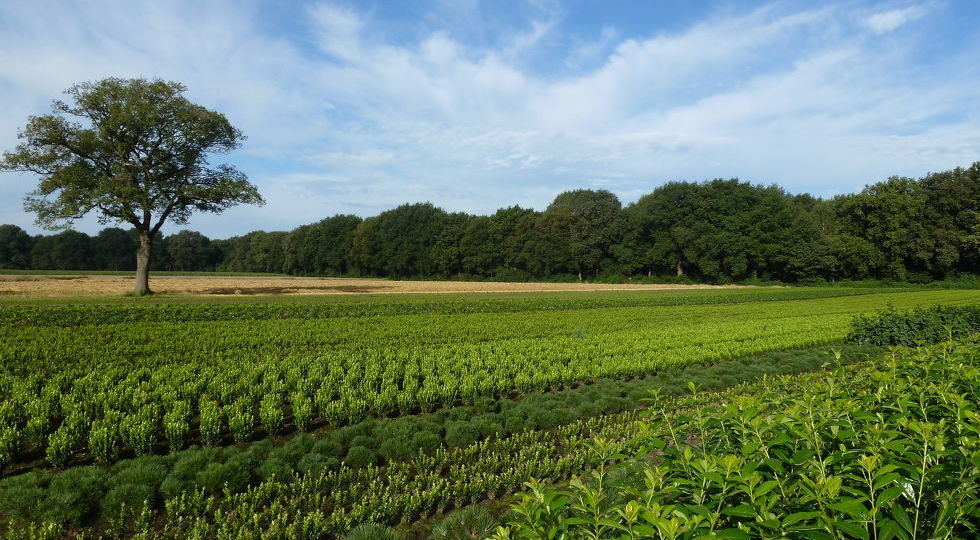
(176, 425)
(302, 411)
(397, 449)
(145, 471)
(888, 451)
(211, 422)
(241, 421)
(426, 441)
(328, 448)
(141, 430)
(271, 413)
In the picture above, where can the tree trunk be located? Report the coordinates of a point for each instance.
(143, 264)
(680, 270)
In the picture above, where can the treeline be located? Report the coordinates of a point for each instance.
(716, 231)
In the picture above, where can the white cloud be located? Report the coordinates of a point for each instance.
(341, 118)
(886, 21)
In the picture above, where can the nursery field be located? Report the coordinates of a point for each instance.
(309, 418)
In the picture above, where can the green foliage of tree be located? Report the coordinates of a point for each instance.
(68, 250)
(132, 151)
(952, 217)
(113, 249)
(510, 231)
(15, 247)
(575, 230)
(479, 254)
(257, 251)
(888, 215)
(447, 253)
(191, 251)
(399, 242)
(716, 231)
(719, 230)
(322, 248)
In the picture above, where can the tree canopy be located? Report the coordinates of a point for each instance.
(716, 231)
(133, 151)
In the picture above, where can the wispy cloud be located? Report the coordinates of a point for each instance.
(886, 21)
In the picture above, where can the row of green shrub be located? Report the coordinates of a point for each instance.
(918, 325)
(806, 458)
(40, 496)
(889, 451)
(100, 314)
(105, 392)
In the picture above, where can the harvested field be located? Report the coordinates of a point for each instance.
(48, 286)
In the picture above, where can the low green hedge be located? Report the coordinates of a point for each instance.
(919, 325)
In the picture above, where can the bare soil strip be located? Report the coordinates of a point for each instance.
(49, 286)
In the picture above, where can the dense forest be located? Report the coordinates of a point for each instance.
(716, 231)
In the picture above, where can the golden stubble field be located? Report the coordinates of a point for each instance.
(48, 286)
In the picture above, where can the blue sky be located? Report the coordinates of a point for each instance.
(356, 107)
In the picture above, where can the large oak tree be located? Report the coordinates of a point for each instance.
(133, 151)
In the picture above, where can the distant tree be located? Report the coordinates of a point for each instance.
(510, 231)
(133, 151)
(447, 252)
(266, 252)
(916, 227)
(15, 247)
(113, 249)
(480, 256)
(257, 251)
(855, 257)
(889, 215)
(719, 230)
(399, 242)
(663, 227)
(807, 253)
(632, 246)
(322, 248)
(190, 251)
(234, 252)
(69, 250)
(951, 216)
(578, 225)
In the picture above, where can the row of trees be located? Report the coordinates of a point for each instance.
(112, 249)
(717, 231)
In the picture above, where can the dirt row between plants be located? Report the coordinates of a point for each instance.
(48, 286)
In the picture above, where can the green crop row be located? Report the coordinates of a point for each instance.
(889, 452)
(33, 497)
(102, 314)
(104, 392)
(755, 447)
